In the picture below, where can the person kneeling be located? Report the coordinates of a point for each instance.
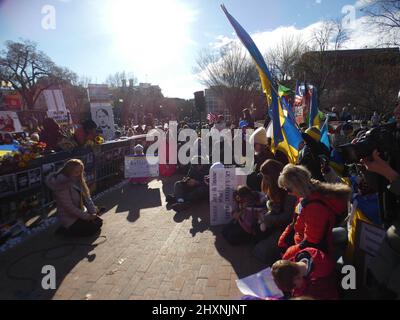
(76, 211)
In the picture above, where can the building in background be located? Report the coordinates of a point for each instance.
(363, 80)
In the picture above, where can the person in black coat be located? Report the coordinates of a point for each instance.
(313, 153)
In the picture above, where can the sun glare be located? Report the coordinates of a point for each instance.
(149, 30)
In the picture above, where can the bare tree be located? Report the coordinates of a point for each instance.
(386, 15)
(31, 71)
(116, 80)
(319, 63)
(284, 58)
(83, 81)
(232, 74)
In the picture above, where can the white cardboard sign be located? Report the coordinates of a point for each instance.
(139, 167)
(371, 238)
(223, 182)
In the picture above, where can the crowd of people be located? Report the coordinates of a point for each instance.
(293, 214)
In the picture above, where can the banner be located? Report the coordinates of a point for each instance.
(102, 114)
(9, 122)
(223, 182)
(137, 166)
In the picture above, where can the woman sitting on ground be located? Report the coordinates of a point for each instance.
(320, 204)
(243, 227)
(75, 208)
(280, 208)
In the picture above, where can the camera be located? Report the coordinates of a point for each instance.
(379, 138)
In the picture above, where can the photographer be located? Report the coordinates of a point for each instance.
(386, 264)
(378, 165)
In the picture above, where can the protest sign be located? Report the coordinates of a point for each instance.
(103, 116)
(54, 100)
(61, 117)
(138, 166)
(223, 182)
(260, 285)
(9, 122)
(371, 238)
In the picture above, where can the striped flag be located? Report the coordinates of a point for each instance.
(211, 118)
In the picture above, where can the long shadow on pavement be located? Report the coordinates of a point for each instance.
(131, 199)
(240, 257)
(21, 267)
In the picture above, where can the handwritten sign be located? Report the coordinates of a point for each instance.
(141, 167)
(223, 182)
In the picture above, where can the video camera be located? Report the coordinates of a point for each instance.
(380, 138)
(386, 141)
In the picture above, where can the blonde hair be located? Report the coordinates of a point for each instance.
(298, 179)
(70, 165)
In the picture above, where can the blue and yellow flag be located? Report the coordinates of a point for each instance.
(291, 136)
(265, 75)
(286, 136)
(324, 134)
(314, 114)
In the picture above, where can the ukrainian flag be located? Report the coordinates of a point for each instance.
(324, 134)
(286, 136)
(314, 114)
(290, 133)
(265, 75)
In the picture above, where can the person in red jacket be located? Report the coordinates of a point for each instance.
(320, 204)
(309, 273)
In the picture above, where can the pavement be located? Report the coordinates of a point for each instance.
(144, 251)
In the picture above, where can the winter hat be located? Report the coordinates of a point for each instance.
(138, 149)
(314, 133)
(259, 136)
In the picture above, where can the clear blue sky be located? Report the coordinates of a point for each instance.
(157, 40)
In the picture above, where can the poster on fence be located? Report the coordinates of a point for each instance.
(139, 166)
(223, 182)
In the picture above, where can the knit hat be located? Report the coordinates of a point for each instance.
(259, 136)
(138, 149)
(314, 133)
